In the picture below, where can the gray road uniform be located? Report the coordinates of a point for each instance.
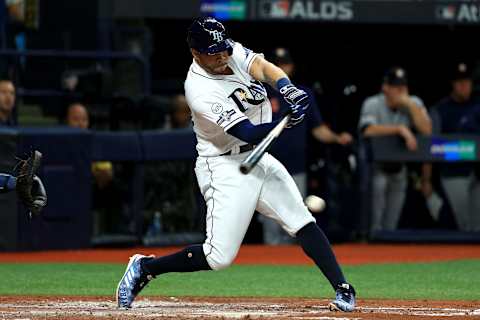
(461, 185)
(389, 183)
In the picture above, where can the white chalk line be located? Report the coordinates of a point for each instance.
(146, 309)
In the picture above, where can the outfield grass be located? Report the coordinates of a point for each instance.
(457, 280)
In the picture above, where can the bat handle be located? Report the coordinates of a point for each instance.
(253, 158)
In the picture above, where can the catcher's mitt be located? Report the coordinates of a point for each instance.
(30, 189)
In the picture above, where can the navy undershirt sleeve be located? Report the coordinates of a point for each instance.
(248, 132)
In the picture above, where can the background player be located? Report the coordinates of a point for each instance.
(394, 111)
(231, 113)
(313, 125)
(452, 115)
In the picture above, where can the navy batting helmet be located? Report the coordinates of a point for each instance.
(207, 35)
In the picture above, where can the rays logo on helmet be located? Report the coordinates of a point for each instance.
(207, 35)
(216, 35)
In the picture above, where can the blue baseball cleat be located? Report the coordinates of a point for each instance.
(132, 282)
(344, 299)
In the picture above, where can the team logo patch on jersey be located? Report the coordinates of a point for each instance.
(244, 99)
(225, 116)
(217, 108)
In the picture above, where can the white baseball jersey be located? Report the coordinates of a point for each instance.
(218, 102)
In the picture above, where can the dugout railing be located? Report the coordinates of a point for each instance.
(67, 221)
(435, 149)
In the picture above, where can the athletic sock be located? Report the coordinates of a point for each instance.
(189, 259)
(316, 245)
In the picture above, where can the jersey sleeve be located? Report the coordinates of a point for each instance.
(421, 106)
(243, 57)
(218, 110)
(368, 115)
(419, 102)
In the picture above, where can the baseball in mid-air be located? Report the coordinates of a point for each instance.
(314, 203)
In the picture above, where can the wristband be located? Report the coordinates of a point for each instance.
(282, 82)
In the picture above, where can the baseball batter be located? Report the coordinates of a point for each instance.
(231, 113)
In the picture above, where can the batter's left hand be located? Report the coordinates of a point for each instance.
(295, 96)
(296, 116)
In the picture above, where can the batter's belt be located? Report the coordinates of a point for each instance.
(244, 148)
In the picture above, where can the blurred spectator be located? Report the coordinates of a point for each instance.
(313, 124)
(11, 13)
(169, 184)
(108, 193)
(180, 115)
(394, 112)
(7, 102)
(16, 10)
(471, 125)
(77, 116)
(459, 113)
(21, 15)
(155, 111)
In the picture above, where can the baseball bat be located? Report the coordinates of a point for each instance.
(247, 165)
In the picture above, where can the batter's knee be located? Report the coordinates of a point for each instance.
(218, 259)
(300, 224)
